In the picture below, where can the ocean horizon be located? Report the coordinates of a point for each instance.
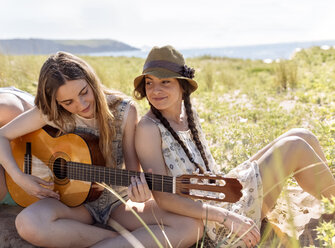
(253, 52)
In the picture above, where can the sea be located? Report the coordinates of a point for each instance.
(266, 52)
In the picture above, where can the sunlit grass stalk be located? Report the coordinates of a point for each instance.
(205, 231)
(240, 237)
(279, 170)
(287, 177)
(198, 238)
(136, 215)
(162, 229)
(291, 242)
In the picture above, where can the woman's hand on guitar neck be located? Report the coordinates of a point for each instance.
(37, 187)
(138, 190)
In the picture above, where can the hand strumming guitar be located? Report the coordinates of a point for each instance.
(35, 186)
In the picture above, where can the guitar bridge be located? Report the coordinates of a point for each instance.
(27, 159)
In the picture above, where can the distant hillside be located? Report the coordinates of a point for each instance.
(41, 46)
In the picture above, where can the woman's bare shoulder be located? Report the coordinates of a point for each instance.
(148, 122)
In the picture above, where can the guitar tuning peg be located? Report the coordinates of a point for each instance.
(222, 196)
(207, 173)
(220, 182)
(221, 173)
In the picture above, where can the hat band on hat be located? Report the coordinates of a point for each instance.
(183, 70)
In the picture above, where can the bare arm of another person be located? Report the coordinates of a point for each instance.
(10, 107)
(130, 157)
(23, 124)
(138, 191)
(149, 151)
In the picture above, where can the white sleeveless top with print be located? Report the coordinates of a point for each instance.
(177, 163)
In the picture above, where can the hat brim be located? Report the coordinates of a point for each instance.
(163, 73)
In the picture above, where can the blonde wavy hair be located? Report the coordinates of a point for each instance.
(55, 72)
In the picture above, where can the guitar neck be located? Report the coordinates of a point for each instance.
(118, 177)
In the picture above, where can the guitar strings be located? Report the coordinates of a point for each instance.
(119, 174)
(82, 167)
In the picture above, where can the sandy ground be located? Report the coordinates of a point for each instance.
(8, 235)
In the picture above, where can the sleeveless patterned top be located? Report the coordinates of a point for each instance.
(177, 163)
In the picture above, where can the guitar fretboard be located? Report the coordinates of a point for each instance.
(118, 177)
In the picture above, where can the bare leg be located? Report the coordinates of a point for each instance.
(305, 134)
(181, 231)
(50, 223)
(293, 155)
(10, 107)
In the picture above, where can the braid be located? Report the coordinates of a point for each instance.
(166, 124)
(194, 130)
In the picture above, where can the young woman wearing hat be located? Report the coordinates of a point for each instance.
(169, 140)
(13, 102)
(71, 98)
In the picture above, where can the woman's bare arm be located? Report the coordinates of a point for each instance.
(128, 142)
(149, 150)
(23, 124)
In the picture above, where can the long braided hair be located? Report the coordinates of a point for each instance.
(140, 93)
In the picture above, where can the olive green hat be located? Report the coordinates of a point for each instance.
(166, 62)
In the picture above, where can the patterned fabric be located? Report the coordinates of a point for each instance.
(177, 163)
(101, 208)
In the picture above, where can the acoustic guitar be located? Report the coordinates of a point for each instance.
(73, 162)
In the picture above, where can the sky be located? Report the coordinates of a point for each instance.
(181, 23)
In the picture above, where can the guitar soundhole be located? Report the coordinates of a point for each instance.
(59, 168)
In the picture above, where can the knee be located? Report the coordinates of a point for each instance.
(193, 230)
(29, 228)
(305, 134)
(196, 227)
(293, 144)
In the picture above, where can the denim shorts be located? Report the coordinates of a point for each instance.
(101, 208)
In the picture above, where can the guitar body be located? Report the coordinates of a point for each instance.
(48, 151)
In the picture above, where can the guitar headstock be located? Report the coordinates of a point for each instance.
(209, 187)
